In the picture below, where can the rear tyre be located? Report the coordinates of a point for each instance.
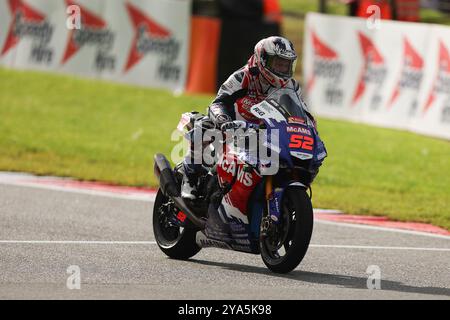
(286, 244)
(176, 242)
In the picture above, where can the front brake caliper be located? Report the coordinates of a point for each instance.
(266, 224)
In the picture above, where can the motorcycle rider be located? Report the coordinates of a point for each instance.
(270, 68)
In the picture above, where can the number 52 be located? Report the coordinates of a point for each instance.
(303, 142)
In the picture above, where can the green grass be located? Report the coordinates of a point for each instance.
(434, 16)
(86, 129)
(385, 172)
(304, 6)
(59, 125)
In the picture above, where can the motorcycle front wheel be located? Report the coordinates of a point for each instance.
(285, 244)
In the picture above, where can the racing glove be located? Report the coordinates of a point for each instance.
(238, 124)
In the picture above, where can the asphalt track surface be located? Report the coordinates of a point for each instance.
(44, 231)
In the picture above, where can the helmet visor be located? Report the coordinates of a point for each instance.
(281, 67)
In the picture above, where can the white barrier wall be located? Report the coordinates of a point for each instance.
(397, 76)
(139, 42)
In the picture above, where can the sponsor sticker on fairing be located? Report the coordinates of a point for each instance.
(298, 129)
(297, 120)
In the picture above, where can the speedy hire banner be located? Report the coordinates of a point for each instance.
(397, 75)
(138, 42)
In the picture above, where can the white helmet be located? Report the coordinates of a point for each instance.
(276, 60)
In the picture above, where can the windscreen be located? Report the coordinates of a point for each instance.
(288, 103)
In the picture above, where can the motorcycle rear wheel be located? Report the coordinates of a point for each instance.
(176, 242)
(284, 247)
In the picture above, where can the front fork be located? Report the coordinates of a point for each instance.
(273, 197)
(273, 206)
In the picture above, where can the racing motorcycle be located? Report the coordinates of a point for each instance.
(241, 205)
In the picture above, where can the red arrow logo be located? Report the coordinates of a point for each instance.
(321, 50)
(142, 25)
(88, 21)
(19, 11)
(412, 60)
(371, 55)
(444, 66)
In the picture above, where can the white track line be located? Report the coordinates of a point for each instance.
(75, 242)
(78, 242)
(368, 227)
(376, 247)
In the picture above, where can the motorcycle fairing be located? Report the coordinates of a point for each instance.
(231, 230)
(230, 223)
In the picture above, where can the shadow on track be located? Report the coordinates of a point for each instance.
(350, 282)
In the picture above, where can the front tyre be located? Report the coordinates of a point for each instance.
(176, 242)
(285, 244)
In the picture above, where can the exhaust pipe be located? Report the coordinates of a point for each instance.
(163, 171)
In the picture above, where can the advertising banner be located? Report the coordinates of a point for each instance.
(139, 42)
(396, 75)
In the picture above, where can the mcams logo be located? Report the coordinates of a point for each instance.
(94, 32)
(153, 39)
(327, 67)
(373, 72)
(28, 23)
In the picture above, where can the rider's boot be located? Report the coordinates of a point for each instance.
(189, 184)
(188, 189)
